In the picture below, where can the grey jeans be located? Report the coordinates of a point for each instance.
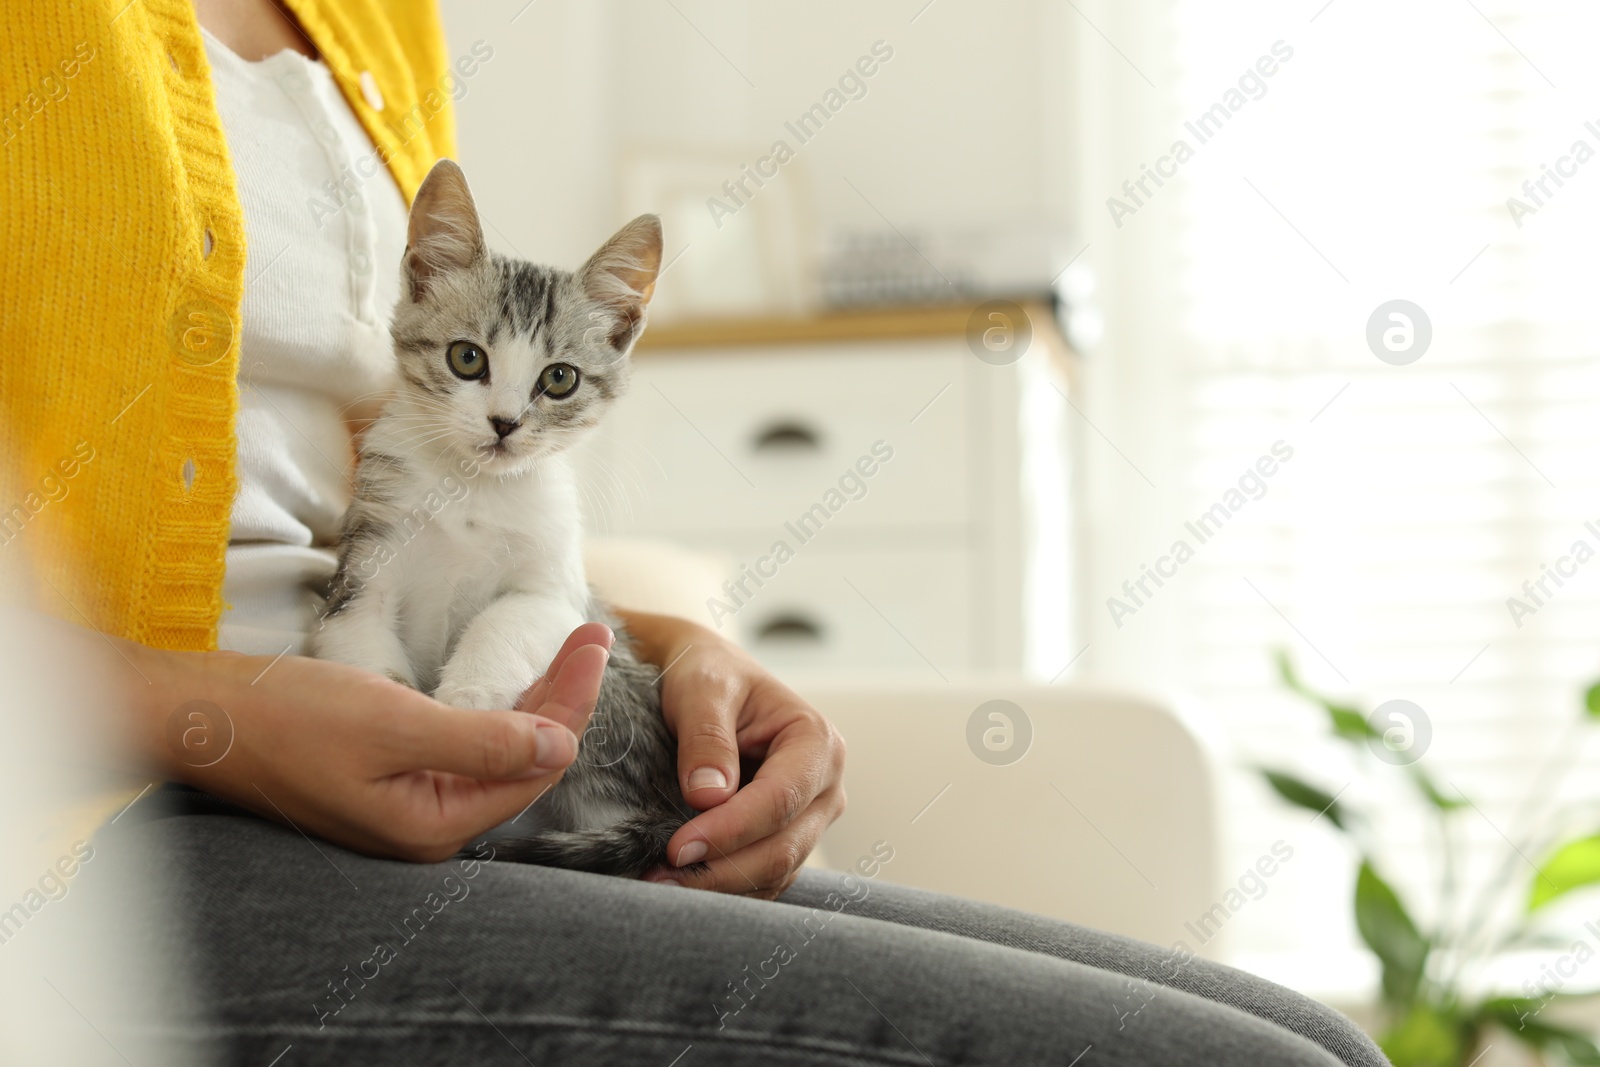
(300, 949)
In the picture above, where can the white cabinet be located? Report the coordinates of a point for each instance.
(886, 504)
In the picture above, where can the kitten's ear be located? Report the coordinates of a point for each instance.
(445, 234)
(622, 275)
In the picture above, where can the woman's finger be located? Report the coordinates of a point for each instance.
(590, 633)
(466, 807)
(764, 869)
(466, 803)
(574, 688)
(798, 767)
(702, 711)
(499, 745)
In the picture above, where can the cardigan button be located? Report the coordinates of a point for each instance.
(369, 90)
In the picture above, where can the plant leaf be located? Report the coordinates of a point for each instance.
(1431, 791)
(1346, 721)
(1512, 1013)
(1574, 1045)
(1424, 1038)
(1591, 701)
(1572, 866)
(1519, 1018)
(1303, 794)
(1390, 934)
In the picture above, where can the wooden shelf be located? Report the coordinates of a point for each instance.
(878, 324)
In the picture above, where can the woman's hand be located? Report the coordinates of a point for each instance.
(349, 756)
(722, 706)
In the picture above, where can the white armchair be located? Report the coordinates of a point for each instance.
(1106, 820)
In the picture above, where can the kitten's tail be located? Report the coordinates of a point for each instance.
(627, 849)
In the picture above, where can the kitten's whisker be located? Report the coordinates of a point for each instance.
(387, 393)
(422, 403)
(626, 490)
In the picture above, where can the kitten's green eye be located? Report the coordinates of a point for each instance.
(558, 380)
(467, 360)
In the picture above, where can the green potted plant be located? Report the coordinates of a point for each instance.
(1430, 1018)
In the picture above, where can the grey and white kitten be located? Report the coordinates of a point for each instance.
(460, 561)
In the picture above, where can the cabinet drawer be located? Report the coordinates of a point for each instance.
(880, 611)
(746, 441)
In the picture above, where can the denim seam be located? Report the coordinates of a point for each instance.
(619, 1028)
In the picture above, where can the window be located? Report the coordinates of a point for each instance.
(1373, 163)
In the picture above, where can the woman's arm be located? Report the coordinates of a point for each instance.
(723, 706)
(341, 753)
(385, 770)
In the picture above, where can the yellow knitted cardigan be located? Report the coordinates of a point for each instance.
(122, 255)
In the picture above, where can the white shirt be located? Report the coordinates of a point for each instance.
(325, 226)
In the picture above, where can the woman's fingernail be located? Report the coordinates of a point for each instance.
(557, 747)
(693, 852)
(707, 778)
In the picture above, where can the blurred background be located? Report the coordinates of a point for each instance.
(1089, 272)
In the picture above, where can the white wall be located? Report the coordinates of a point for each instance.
(949, 134)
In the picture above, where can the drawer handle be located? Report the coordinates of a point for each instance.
(790, 627)
(788, 436)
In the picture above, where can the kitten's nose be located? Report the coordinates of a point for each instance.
(504, 427)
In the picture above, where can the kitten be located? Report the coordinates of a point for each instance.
(460, 561)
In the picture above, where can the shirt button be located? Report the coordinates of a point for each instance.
(294, 79)
(369, 90)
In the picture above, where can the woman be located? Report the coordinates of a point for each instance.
(203, 392)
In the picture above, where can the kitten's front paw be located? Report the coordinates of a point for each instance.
(476, 697)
